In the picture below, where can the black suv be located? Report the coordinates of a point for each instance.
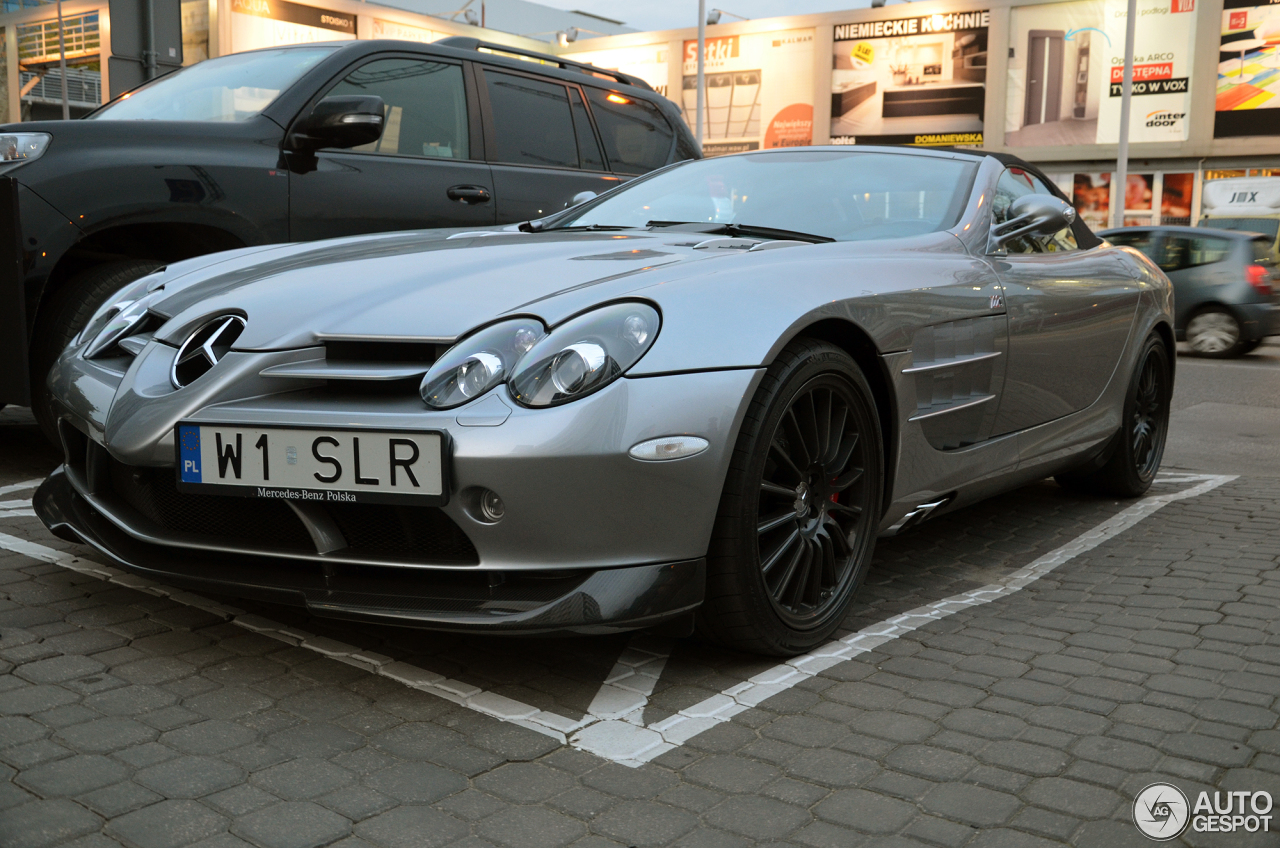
(293, 144)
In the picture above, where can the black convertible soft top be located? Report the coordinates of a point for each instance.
(1084, 236)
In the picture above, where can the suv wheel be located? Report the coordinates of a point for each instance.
(1213, 331)
(63, 315)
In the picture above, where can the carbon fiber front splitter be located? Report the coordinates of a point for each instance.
(579, 601)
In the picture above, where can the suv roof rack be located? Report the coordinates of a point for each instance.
(464, 42)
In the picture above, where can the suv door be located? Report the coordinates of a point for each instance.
(541, 143)
(1070, 311)
(425, 171)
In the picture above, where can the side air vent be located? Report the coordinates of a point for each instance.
(204, 349)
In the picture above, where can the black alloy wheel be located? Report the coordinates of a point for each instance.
(1150, 416)
(1136, 450)
(801, 504)
(811, 504)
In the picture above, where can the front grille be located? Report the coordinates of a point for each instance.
(153, 492)
(412, 534)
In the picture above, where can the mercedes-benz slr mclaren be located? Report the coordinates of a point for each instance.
(697, 399)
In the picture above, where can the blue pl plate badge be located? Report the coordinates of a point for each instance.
(189, 453)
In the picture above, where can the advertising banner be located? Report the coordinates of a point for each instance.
(919, 80)
(1248, 70)
(1066, 72)
(759, 91)
(271, 23)
(648, 62)
(405, 32)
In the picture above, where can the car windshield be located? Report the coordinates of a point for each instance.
(841, 195)
(1266, 226)
(231, 88)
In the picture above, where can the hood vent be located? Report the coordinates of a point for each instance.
(366, 366)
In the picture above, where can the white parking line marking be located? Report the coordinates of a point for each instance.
(20, 487)
(613, 727)
(630, 745)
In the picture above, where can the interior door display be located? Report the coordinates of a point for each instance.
(1066, 69)
(1044, 77)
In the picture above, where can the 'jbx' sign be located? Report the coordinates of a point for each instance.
(1249, 197)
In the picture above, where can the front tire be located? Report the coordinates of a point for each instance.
(798, 516)
(1139, 445)
(1215, 332)
(64, 315)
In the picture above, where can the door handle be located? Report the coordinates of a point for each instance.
(469, 194)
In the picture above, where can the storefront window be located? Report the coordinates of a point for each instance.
(1175, 199)
(1091, 195)
(4, 80)
(39, 75)
(15, 5)
(195, 31)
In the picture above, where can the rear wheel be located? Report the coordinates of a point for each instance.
(64, 315)
(1213, 331)
(1139, 446)
(797, 519)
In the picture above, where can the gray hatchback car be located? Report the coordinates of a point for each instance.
(1225, 302)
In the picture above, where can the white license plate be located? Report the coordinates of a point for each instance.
(334, 465)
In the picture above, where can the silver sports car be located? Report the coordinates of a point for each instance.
(698, 398)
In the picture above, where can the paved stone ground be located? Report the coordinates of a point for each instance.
(129, 719)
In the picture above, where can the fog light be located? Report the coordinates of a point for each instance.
(669, 447)
(491, 506)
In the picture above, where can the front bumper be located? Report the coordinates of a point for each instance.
(592, 539)
(582, 601)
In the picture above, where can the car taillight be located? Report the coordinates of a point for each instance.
(1259, 279)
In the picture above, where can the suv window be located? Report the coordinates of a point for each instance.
(1015, 183)
(426, 107)
(588, 147)
(532, 121)
(1189, 252)
(636, 137)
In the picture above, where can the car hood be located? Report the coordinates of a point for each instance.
(423, 285)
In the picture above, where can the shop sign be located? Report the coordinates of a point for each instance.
(758, 89)
(272, 23)
(1248, 80)
(919, 80)
(1066, 72)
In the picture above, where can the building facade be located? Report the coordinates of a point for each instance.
(1037, 79)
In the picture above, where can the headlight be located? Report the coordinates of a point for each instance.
(479, 362)
(121, 313)
(585, 354)
(16, 147)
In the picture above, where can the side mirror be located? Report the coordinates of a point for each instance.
(581, 197)
(342, 122)
(1031, 215)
